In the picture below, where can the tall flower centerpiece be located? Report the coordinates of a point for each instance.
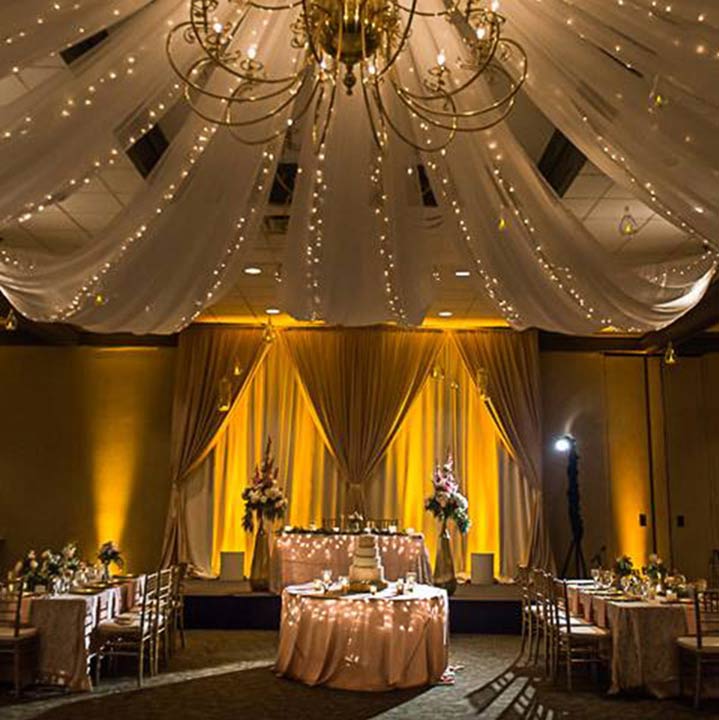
(109, 553)
(264, 500)
(447, 503)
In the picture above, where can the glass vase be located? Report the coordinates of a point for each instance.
(444, 576)
(260, 570)
(106, 572)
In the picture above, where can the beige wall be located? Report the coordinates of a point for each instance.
(84, 448)
(649, 444)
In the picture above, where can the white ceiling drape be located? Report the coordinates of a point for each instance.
(360, 244)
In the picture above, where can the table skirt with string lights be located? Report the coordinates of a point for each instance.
(299, 558)
(364, 642)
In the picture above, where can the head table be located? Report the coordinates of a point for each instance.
(300, 557)
(644, 633)
(364, 642)
(66, 625)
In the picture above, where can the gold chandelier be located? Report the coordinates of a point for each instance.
(337, 45)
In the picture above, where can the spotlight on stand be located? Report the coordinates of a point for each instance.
(567, 444)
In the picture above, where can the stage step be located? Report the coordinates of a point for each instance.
(214, 605)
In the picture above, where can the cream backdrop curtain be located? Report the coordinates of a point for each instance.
(361, 383)
(274, 405)
(448, 412)
(512, 389)
(206, 356)
(448, 415)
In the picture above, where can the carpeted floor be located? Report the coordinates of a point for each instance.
(228, 676)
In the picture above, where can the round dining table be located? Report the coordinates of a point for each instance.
(368, 642)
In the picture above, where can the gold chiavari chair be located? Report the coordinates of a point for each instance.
(18, 640)
(162, 617)
(574, 641)
(540, 609)
(528, 625)
(132, 634)
(177, 609)
(702, 649)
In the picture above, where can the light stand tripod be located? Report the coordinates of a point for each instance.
(575, 554)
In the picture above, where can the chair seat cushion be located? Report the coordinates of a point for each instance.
(8, 633)
(586, 632)
(710, 644)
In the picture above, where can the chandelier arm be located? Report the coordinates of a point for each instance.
(328, 116)
(403, 40)
(477, 72)
(373, 125)
(185, 76)
(270, 8)
(509, 97)
(280, 131)
(224, 122)
(402, 136)
(308, 33)
(231, 99)
(458, 127)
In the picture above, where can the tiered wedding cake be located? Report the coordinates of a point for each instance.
(366, 568)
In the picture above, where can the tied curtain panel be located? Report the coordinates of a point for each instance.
(208, 359)
(361, 383)
(505, 366)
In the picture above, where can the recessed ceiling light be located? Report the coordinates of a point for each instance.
(462, 273)
(445, 313)
(273, 311)
(252, 270)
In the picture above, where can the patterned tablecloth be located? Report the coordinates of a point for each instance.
(644, 653)
(299, 558)
(363, 642)
(66, 625)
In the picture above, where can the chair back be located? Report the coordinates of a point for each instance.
(706, 613)
(11, 609)
(148, 604)
(560, 605)
(165, 588)
(179, 573)
(540, 591)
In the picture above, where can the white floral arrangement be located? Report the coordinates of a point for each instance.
(263, 497)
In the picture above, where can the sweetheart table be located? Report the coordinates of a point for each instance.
(300, 557)
(364, 642)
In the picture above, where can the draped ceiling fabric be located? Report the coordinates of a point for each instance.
(361, 383)
(511, 363)
(206, 356)
(179, 243)
(597, 71)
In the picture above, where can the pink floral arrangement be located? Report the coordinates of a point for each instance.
(446, 501)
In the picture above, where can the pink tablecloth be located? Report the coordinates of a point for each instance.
(299, 558)
(65, 625)
(644, 653)
(360, 642)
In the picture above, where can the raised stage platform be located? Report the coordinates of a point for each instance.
(217, 605)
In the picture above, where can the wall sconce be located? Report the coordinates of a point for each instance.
(670, 355)
(224, 402)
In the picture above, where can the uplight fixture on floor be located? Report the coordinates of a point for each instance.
(568, 444)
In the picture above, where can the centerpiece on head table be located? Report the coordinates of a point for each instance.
(264, 500)
(447, 503)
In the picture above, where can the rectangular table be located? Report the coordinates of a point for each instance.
(66, 625)
(299, 558)
(644, 633)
